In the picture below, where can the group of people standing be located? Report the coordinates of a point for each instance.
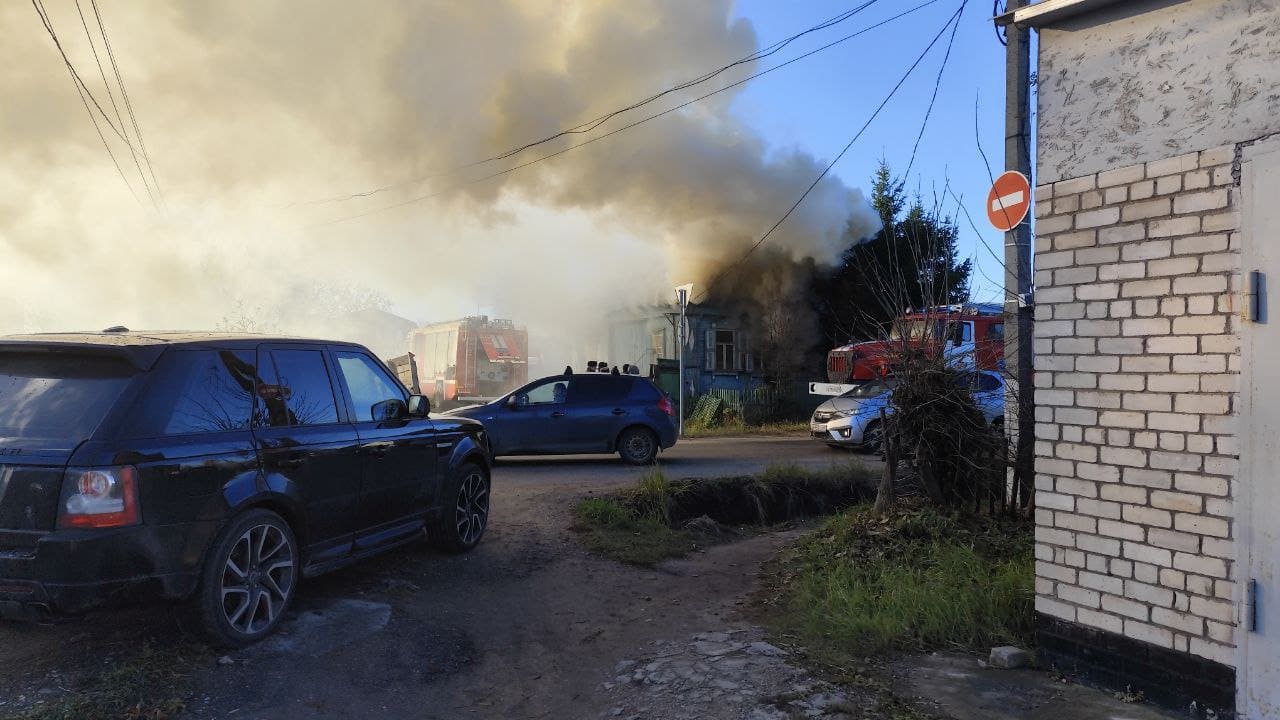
(600, 366)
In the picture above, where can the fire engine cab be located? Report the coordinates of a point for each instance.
(970, 336)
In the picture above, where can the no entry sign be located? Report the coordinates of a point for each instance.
(1009, 200)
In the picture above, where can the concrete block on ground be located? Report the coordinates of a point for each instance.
(1008, 657)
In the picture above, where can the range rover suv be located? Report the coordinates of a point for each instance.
(215, 468)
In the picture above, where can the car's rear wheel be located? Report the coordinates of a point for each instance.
(248, 579)
(464, 514)
(638, 446)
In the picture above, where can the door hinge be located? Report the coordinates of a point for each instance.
(1251, 605)
(1254, 307)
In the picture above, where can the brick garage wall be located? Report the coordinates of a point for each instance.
(1137, 362)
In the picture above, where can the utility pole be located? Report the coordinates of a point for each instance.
(1017, 258)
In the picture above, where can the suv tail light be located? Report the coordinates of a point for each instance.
(665, 405)
(99, 498)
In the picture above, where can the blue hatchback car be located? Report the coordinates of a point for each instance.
(580, 413)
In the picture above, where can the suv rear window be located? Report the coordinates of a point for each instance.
(195, 391)
(62, 396)
(298, 391)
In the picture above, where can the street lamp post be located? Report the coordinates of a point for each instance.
(682, 298)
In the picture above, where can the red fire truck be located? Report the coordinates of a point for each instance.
(969, 336)
(468, 360)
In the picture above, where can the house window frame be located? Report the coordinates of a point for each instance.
(726, 353)
(658, 343)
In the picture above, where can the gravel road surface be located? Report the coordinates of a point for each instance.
(526, 626)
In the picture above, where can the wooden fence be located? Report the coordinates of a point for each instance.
(769, 402)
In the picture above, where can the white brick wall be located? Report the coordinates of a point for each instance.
(1136, 363)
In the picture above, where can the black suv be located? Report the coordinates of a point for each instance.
(217, 468)
(582, 413)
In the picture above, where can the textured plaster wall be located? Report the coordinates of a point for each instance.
(1152, 79)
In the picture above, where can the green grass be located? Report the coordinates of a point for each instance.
(652, 496)
(661, 518)
(919, 580)
(609, 529)
(149, 685)
(737, 429)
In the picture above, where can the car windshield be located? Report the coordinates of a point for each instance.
(870, 389)
(914, 329)
(56, 395)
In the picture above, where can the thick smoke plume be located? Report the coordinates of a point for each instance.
(252, 111)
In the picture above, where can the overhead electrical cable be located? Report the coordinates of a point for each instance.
(757, 55)
(128, 103)
(81, 90)
(111, 96)
(937, 84)
(999, 260)
(615, 131)
(924, 123)
(75, 76)
(955, 18)
(589, 125)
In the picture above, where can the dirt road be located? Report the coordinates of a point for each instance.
(526, 626)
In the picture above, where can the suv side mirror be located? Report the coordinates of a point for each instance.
(389, 410)
(419, 406)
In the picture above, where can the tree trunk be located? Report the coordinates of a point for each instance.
(929, 480)
(884, 494)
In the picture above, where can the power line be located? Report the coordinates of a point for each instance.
(128, 104)
(977, 139)
(757, 55)
(48, 26)
(934, 98)
(81, 90)
(982, 240)
(937, 83)
(955, 18)
(111, 96)
(628, 126)
(589, 125)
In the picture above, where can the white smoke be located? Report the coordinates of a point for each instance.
(250, 110)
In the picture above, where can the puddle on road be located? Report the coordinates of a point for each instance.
(323, 630)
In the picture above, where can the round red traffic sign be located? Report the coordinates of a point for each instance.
(1009, 200)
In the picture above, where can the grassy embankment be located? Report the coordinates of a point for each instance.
(919, 578)
(661, 518)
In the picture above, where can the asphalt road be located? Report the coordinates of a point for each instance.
(698, 457)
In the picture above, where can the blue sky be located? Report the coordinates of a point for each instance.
(819, 103)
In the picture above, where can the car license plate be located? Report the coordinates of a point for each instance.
(818, 427)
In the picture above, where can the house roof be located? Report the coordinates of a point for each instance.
(662, 310)
(1048, 12)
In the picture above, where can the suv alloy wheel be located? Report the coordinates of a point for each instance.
(248, 579)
